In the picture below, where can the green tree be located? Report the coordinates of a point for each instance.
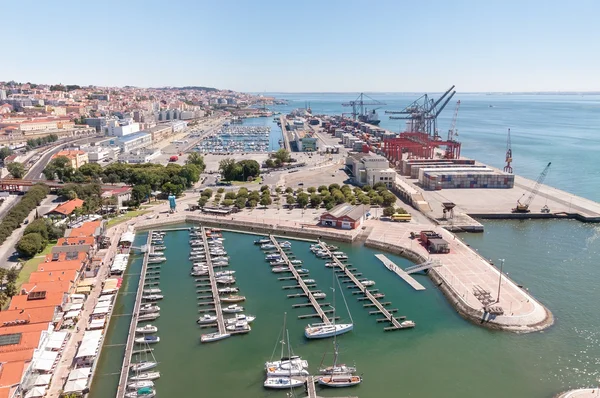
(60, 167)
(230, 195)
(322, 188)
(29, 245)
(333, 187)
(289, 190)
(207, 193)
(365, 200)
(202, 201)
(252, 203)
(227, 202)
(377, 200)
(299, 190)
(5, 152)
(269, 163)
(229, 169)
(315, 200)
(197, 160)
(240, 202)
(249, 168)
(282, 155)
(140, 193)
(388, 211)
(16, 169)
(12, 275)
(401, 210)
(302, 199)
(191, 174)
(221, 190)
(264, 188)
(92, 170)
(311, 190)
(39, 226)
(290, 200)
(366, 188)
(242, 192)
(265, 201)
(388, 198)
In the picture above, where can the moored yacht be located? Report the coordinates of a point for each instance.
(142, 366)
(209, 337)
(146, 329)
(283, 382)
(206, 319)
(145, 376)
(148, 340)
(321, 330)
(232, 309)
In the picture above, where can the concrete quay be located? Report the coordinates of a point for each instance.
(581, 393)
(465, 277)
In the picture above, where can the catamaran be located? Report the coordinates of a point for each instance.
(286, 366)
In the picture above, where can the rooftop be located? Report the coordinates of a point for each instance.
(67, 207)
(49, 276)
(134, 136)
(347, 210)
(24, 302)
(60, 266)
(32, 315)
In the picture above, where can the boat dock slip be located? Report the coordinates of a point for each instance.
(374, 302)
(122, 388)
(301, 285)
(311, 390)
(389, 264)
(213, 285)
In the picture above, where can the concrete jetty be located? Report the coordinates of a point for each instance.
(213, 285)
(122, 388)
(389, 264)
(374, 302)
(305, 288)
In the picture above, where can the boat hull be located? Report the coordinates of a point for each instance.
(325, 331)
(281, 383)
(339, 381)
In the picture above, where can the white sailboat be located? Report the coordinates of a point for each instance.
(282, 375)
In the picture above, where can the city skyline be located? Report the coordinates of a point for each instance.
(333, 47)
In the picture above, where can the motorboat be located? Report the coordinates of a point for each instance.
(279, 269)
(145, 392)
(200, 272)
(233, 299)
(152, 291)
(339, 380)
(156, 254)
(145, 376)
(153, 297)
(321, 331)
(148, 340)
(273, 256)
(220, 258)
(148, 317)
(319, 295)
(330, 265)
(239, 326)
(240, 318)
(262, 241)
(140, 384)
(228, 290)
(308, 281)
(197, 257)
(296, 262)
(303, 271)
(146, 329)
(156, 260)
(207, 338)
(147, 309)
(338, 369)
(225, 280)
(407, 324)
(285, 245)
(222, 263)
(206, 319)
(142, 366)
(366, 282)
(338, 254)
(277, 263)
(232, 309)
(159, 247)
(323, 254)
(268, 246)
(219, 274)
(283, 382)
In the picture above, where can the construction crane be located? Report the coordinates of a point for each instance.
(452, 132)
(508, 167)
(423, 113)
(524, 207)
(359, 111)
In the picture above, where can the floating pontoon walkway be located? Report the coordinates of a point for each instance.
(389, 264)
(301, 284)
(213, 285)
(311, 391)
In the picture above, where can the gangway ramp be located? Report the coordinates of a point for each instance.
(389, 264)
(423, 266)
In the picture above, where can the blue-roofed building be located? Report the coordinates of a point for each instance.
(134, 141)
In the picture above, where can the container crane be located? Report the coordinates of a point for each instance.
(508, 168)
(524, 207)
(358, 107)
(452, 132)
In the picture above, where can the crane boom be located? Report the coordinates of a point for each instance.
(524, 207)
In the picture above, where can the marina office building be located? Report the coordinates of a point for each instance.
(370, 169)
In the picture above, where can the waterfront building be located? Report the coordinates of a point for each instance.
(370, 169)
(344, 216)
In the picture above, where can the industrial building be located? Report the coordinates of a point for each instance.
(367, 168)
(344, 216)
(121, 127)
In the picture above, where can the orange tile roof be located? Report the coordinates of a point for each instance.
(68, 207)
(21, 302)
(67, 275)
(11, 374)
(33, 315)
(76, 240)
(87, 229)
(49, 286)
(60, 266)
(81, 256)
(69, 154)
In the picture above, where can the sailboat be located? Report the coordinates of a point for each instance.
(324, 330)
(338, 375)
(281, 376)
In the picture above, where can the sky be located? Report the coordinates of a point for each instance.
(306, 46)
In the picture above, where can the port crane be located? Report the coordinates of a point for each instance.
(452, 132)
(508, 168)
(423, 112)
(524, 207)
(358, 106)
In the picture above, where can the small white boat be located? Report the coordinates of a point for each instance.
(238, 327)
(207, 338)
(322, 254)
(232, 309)
(303, 271)
(146, 329)
(279, 269)
(366, 283)
(283, 382)
(147, 309)
(330, 265)
(145, 376)
(222, 263)
(339, 380)
(228, 290)
(148, 340)
(140, 384)
(156, 254)
(267, 246)
(273, 256)
(156, 260)
(225, 280)
(222, 258)
(240, 318)
(142, 366)
(308, 281)
(206, 319)
(407, 324)
(296, 262)
(285, 245)
(148, 317)
(152, 291)
(153, 297)
(233, 299)
(286, 362)
(199, 273)
(319, 295)
(219, 274)
(145, 392)
(321, 331)
(262, 241)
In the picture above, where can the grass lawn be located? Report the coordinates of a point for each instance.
(48, 248)
(125, 217)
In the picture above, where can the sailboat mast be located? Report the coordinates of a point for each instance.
(283, 334)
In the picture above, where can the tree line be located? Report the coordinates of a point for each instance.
(36, 237)
(37, 142)
(21, 210)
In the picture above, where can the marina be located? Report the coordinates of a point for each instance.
(236, 139)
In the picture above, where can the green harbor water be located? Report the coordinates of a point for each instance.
(444, 356)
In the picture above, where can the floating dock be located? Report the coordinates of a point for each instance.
(305, 288)
(213, 285)
(389, 264)
(374, 302)
(311, 390)
(122, 388)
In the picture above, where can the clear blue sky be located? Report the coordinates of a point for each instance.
(324, 45)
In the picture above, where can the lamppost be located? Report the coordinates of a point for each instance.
(500, 279)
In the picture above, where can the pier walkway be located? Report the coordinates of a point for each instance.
(388, 315)
(213, 285)
(301, 283)
(311, 390)
(286, 141)
(122, 388)
(389, 264)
